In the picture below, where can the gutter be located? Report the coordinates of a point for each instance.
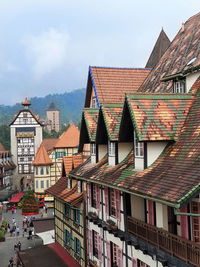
(186, 213)
(174, 205)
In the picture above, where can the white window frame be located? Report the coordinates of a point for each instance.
(138, 148)
(94, 102)
(36, 184)
(111, 148)
(179, 87)
(69, 183)
(42, 184)
(79, 186)
(93, 149)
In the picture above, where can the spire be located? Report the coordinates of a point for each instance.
(159, 49)
(26, 103)
(42, 157)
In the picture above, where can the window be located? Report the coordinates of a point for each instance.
(69, 183)
(41, 170)
(139, 148)
(179, 87)
(36, 184)
(94, 195)
(67, 210)
(36, 170)
(112, 203)
(95, 243)
(142, 264)
(77, 246)
(67, 238)
(79, 186)
(42, 184)
(111, 149)
(47, 183)
(47, 170)
(114, 255)
(94, 102)
(93, 149)
(77, 216)
(60, 154)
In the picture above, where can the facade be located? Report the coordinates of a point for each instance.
(142, 177)
(6, 167)
(26, 137)
(70, 223)
(53, 118)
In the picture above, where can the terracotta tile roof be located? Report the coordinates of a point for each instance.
(59, 186)
(26, 102)
(158, 116)
(71, 162)
(173, 177)
(90, 117)
(111, 84)
(70, 138)
(2, 148)
(159, 49)
(42, 157)
(182, 50)
(49, 143)
(43, 224)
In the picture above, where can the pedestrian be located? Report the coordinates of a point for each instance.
(12, 210)
(46, 208)
(19, 245)
(15, 247)
(17, 230)
(13, 220)
(8, 228)
(11, 262)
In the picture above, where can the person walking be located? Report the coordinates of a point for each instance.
(13, 220)
(30, 234)
(17, 230)
(19, 245)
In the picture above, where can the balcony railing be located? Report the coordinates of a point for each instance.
(177, 246)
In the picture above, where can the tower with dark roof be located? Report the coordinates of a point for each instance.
(53, 118)
(159, 49)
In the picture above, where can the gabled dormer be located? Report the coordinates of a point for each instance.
(108, 131)
(88, 132)
(151, 121)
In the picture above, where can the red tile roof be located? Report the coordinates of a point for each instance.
(49, 143)
(42, 157)
(71, 162)
(70, 138)
(183, 49)
(90, 117)
(111, 84)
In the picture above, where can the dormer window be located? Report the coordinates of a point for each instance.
(69, 183)
(111, 149)
(179, 87)
(139, 148)
(93, 149)
(94, 102)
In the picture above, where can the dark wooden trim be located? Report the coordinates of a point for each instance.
(145, 155)
(116, 153)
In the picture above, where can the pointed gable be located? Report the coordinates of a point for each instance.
(176, 60)
(42, 157)
(70, 138)
(111, 84)
(159, 49)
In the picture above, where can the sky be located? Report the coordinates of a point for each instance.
(46, 46)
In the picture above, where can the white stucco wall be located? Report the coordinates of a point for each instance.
(111, 160)
(123, 150)
(139, 163)
(190, 79)
(13, 147)
(154, 149)
(102, 151)
(161, 216)
(137, 208)
(93, 159)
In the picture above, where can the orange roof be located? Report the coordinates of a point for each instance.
(26, 102)
(70, 138)
(2, 148)
(49, 143)
(111, 84)
(42, 157)
(71, 162)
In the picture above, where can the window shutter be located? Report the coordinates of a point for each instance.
(56, 154)
(118, 204)
(106, 200)
(99, 248)
(98, 196)
(65, 233)
(134, 262)
(108, 253)
(184, 223)
(90, 245)
(78, 216)
(89, 194)
(151, 212)
(75, 240)
(119, 257)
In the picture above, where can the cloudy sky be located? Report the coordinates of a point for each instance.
(46, 46)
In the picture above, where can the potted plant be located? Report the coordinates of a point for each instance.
(111, 224)
(2, 235)
(93, 215)
(93, 263)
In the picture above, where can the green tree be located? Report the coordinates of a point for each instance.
(29, 204)
(5, 136)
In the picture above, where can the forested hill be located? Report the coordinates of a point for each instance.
(70, 105)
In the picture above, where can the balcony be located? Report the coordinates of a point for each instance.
(181, 248)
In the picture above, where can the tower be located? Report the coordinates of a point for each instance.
(26, 137)
(53, 118)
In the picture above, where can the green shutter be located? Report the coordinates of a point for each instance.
(75, 240)
(56, 154)
(64, 154)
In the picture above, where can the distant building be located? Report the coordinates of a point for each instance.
(53, 118)
(26, 137)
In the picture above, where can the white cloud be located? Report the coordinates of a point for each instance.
(46, 51)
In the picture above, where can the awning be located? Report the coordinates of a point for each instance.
(16, 197)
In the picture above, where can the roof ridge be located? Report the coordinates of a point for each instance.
(129, 68)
